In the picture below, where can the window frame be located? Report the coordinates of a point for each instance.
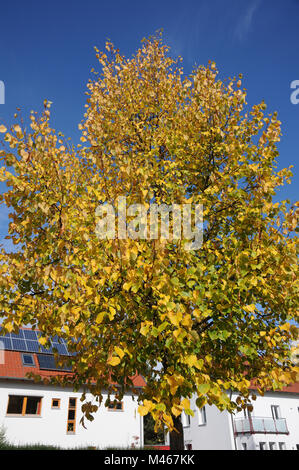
(24, 406)
(282, 446)
(55, 407)
(186, 420)
(276, 412)
(32, 357)
(114, 406)
(202, 416)
(73, 420)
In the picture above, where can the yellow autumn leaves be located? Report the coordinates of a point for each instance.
(176, 410)
(190, 322)
(117, 355)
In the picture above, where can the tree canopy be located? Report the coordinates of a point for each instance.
(200, 321)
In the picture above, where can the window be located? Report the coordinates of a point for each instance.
(116, 406)
(28, 360)
(55, 403)
(21, 405)
(186, 421)
(275, 409)
(15, 405)
(282, 446)
(263, 446)
(272, 445)
(71, 417)
(72, 402)
(202, 418)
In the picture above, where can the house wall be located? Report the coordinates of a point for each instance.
(289, 408)
(215, 434)
(109, 428)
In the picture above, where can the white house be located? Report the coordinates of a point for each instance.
(32, 413)
(272, 425)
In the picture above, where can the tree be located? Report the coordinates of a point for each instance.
(190, 320)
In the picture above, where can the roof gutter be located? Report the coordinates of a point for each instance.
(16, 378)
(25, 379)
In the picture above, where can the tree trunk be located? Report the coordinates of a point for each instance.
(176, 437)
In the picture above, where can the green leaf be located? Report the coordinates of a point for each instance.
(203, 388)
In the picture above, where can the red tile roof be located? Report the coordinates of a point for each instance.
(13, 368)
(293, 388)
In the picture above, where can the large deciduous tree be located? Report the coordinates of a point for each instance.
(191, 321)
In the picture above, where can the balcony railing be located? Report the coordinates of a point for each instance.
(255, 425)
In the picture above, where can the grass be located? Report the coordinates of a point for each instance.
(8, 446)
(5, 445)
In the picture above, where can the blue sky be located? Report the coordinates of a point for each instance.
(46, 51)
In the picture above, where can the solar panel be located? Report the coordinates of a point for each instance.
(61, 349)
(27, 341)
(49, 363)
(19, 344)
(30, 334)
(17, 335)
(6, 342)
(45, 350)
(32, 346)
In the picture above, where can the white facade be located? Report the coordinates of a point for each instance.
(273, 425)
(263, 417)
(110, 428)
(209, 429)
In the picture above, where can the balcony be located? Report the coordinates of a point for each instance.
(255, 425)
